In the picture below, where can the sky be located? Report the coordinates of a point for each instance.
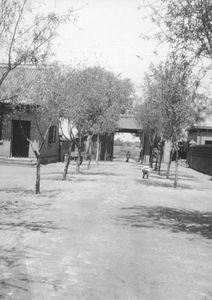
(106, 33)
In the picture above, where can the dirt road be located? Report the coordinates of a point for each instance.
(105, 234)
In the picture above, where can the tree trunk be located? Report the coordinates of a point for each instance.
(97, 148)
(105, 156)
(150, 156)
(79, 160)
(156, 162)
(37, 184)
(161, 157)
(176, 169)
(89, 151)
(89, 161)
(169, 164)
(67, 162)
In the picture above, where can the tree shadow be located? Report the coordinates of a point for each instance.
(17, 190)
(191, 222)
(98, 173)
(25, 192)
(82, 179)
(70, 179)
(11, 261)
(180, 177)
(42, 226)
(160, 183)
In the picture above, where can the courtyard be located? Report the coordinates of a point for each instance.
(105, 234)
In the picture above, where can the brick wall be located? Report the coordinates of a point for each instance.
(200, 158)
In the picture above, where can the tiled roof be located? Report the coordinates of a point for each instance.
(17, 81)
(128, 122)
(205, 124)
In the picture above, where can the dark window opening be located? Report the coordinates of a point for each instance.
(208, 142)
(52, 134)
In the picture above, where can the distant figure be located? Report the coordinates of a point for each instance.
(127, 156)
(146, 170)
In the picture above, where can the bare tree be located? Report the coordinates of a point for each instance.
(94, 100)
(25, 37)
(116, 97)
(185, 24)
(169, 99)
(41, 100)
(80, 108)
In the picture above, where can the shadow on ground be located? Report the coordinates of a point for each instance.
(17, 190)
(193, 222)
(163, 173)
(70, 179)
(42, 226)
(171, 177)
(14, 283)
(99, 173)
(15, 280)
(85, 174)
(160, 183)
(22, 191)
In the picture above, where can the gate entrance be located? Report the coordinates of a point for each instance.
(125, 124)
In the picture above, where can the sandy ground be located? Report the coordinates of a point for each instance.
(105, 234)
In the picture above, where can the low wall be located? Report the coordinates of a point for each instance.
(200, 158)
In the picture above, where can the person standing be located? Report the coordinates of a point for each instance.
(127, 156)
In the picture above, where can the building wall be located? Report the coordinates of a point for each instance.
(50, 152)
(200, 158)
(200, 135)
(6, 141)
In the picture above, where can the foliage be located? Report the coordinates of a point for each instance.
(185, 24)
(94, 99)
(25, 37)
(41, 101)
(168, 105)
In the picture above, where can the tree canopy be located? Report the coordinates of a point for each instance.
(95, 98)
(25, 36)
(185, 24)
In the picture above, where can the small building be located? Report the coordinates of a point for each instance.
(16, 132)
(201, 134)
(200, 147)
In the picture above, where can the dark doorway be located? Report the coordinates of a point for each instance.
(20, 145)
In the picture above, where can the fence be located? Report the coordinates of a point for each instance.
(200, 158)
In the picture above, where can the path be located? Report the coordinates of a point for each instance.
(105, 234)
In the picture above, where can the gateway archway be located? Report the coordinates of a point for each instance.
(126, 124)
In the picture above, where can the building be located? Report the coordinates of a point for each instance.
(200, 134)
(200, 147)
(19, 135)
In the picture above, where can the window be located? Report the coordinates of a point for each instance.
(52, 134)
